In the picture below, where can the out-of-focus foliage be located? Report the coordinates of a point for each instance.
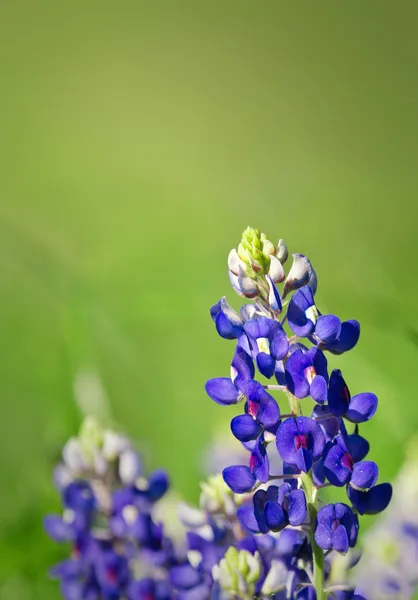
(138, 141)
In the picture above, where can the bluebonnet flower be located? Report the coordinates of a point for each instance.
(300, 442)
(307, 374)
(267, 342)
(343, 463)
(274, 508)
(357, 409)
(336, 528)
(313, 449)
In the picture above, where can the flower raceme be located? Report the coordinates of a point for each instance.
(257, 533)
(284, 335)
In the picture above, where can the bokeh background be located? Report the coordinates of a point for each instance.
(138, 139)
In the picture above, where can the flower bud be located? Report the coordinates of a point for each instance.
(268, 248)
(300, 274)
(129, 467)
(216, 496)
(73, 456)
(282, 251)
(276, 270)
(238, 572)
(276, 579)
(242, 284)
(90, 438)
(254, 250)
(234, 262)
(113, 444)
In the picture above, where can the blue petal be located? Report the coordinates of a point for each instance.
(259, 461)
(247, 519)
(349, 336)
(357, 446)
(239, 479)
(327, 329)
(362, 407)
(242, 369)
(224, 327)
(319, 389)
(275, 516)
(365, 474)
(338, 394)
(274, 297)
(184, 576)
(263, 406)
(266, 364)
(340, 540)
(279, 346)
(261, 327)
(304, 460)
(245, 428)
(295, 373)
(296, 313)
(373, 501)
(58, 529)
(222, 391)
(297, 508)
(336, 471)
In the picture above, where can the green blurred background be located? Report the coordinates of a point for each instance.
(137, 142)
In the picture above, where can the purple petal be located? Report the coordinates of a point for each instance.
(279, 346)
(266, 364)
(323, 536)
(261, 327)
(365, 474)
(340, 540)
(274, 297)
(349, 336)
(245, 428)
(247, 519)
(184, 576)
(259, 461)
(295, 430)
(331, 426)
(299, 323)
(296, 380)
(239, 478)
(319, 362)
(275, 516)
(58, 529)
(304, 460)
(357, 446)
(242, 369)
(373, 501)
(338, 394)
(279, 373)
(297, 509)
(362, 407)
(337, 471)
(224, 327)
(262, 406)
(67, 569)
(319, 389)
(327, 329)
(222, 391)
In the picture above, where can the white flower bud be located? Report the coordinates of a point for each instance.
(129, 467)
(276, 270)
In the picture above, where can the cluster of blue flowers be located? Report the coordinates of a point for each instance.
(257, 534)
(283, 336)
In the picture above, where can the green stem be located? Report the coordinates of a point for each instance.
(318, 553)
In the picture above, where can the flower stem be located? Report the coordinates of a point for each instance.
(318, 554)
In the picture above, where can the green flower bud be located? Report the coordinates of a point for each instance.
(255, 251)
(216, 496)
(90, 438)
(238, 572)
